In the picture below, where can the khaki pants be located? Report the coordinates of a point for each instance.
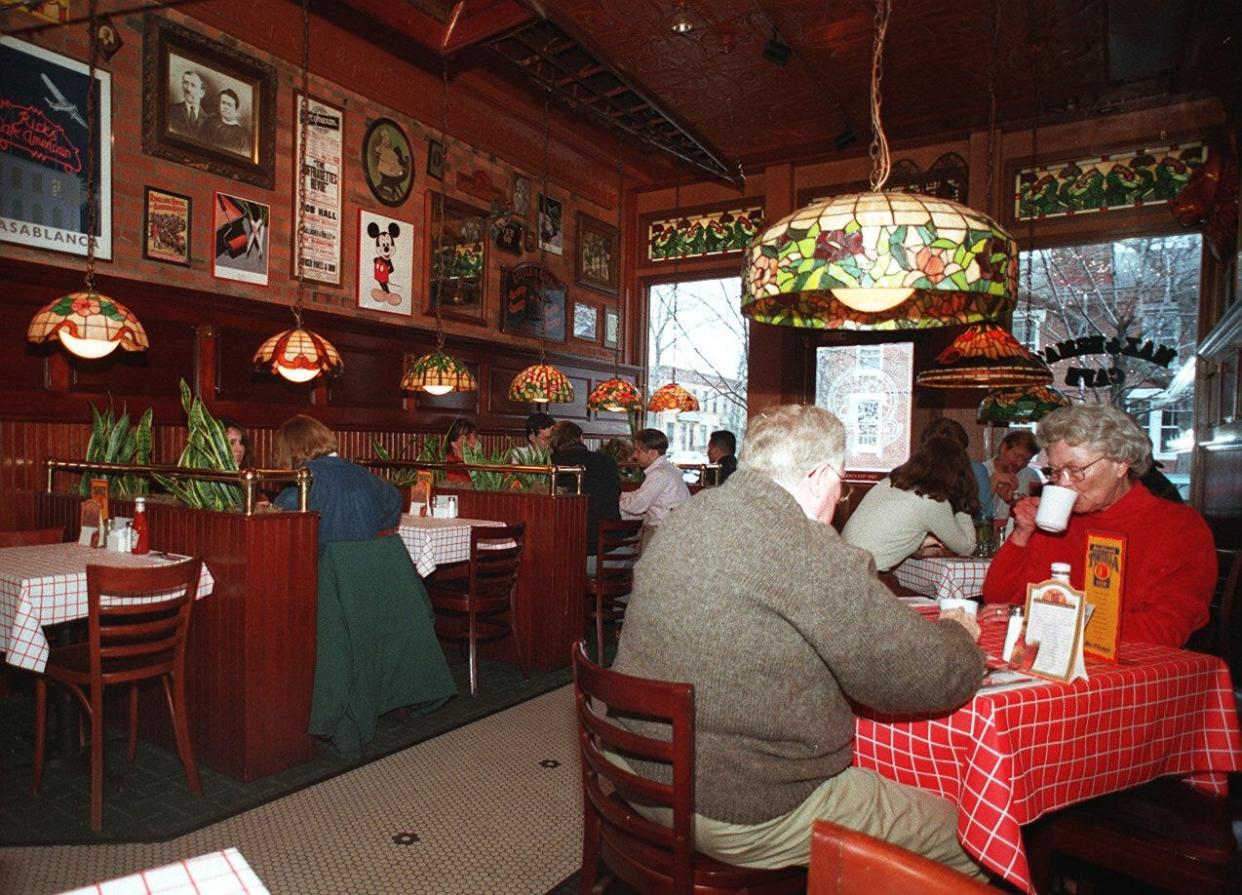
(856, 798)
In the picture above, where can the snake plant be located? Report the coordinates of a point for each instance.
(114, 440)
(207, 447)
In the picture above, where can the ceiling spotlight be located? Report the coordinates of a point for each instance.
(681, 23)
(776, 50)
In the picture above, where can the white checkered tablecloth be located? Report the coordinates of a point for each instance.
(45, 584)
(219, 873)
(436, 541)
(944, 577)
(1010, 756)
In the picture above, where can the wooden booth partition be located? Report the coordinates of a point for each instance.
(252, 641)
(552, 582)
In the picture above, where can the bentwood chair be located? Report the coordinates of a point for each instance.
(136, 634)
(30, 536)
(486, 598)
(644, 854)
(846, 862)
(616, 549)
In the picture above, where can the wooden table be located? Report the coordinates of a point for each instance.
(218, 873)
(436, 542)
(944, 577)
(1008, 757)
(45, 584)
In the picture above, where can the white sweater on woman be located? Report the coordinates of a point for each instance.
(892, 524)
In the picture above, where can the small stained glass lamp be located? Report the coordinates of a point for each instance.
(672, 397)
(541, 383)
(438, 373)
(298, 354)
(88, 324)
(616, 395)
(1010, 406)
(986, 356)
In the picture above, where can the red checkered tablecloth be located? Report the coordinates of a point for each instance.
(437, 541)
(45, 584)
(943, 577)
(219, 873)
(1008, 757)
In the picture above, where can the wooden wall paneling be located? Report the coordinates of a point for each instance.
(251, 652)
(374, 367)
(22, 365)
(552, 584)
(236, 379)
(157, 371)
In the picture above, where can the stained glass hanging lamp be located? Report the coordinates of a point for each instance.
(1010, 406)
(299, 354)
(880, 260)
(439, 372)
(672, 396)
(88, 323)
(542, 383)
(615, 394)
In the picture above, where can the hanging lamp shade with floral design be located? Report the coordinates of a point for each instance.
(616, 395)
(986, 356)
(298, 355)
(88, 324)
(438, 373)
(541, 383)
(672, 397)
(935, 262)
(1020, 405)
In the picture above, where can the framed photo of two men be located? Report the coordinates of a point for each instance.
(207, 105)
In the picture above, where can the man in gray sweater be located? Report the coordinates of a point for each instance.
(748, 593)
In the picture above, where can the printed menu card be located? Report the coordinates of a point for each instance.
(1054, 620)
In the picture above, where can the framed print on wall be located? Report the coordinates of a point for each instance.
(456, 258)
(166, 223)
(586, 321)
(597, 261)
(320, 189)
(532, 302)
(551, 225)
(435, 159)
(44, 151)
(207, 105)
(612, 328)
(242, 237)
(519, 196)
(385, 264)
(388, 162)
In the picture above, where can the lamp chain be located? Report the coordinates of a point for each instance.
(996, 13)
(880, 162)
(676, 274)
(92, 212)
(543, 252)
(440, 262)
(616, 365)
(303, 120)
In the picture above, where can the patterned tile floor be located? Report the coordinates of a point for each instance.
(492, 807)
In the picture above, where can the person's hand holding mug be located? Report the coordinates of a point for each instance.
(1004, 484)
(1023, 514)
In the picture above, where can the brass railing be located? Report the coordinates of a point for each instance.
(551, 471)
(246, 479)
(703, 469)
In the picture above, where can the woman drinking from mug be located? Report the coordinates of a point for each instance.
(1169, 564)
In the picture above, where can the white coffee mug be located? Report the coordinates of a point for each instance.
(1055, 505)
(970, 607)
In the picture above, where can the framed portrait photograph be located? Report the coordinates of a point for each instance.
(612, 328)
(166, 220)
(385, 264)
(45, 142)
(597, 261)
(435, 159)
(207, 105)
(519, 196)
(243, 236)
(551, 225)
(318, 164)
(532, 302)
(586, 321)
(388, 162)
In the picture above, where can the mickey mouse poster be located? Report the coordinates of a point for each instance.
(385, 264)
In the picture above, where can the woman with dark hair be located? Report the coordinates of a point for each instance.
(239, 443)
(931, 494)
(947, 427)
(463, 436)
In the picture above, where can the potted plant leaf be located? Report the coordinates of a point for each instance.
(207, 447)
(114, 440)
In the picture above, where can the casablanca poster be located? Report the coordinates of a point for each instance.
(44, 151)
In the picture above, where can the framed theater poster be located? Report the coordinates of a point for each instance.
(320, 190)
(166, 227)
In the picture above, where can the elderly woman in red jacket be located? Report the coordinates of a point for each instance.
(1169, 565)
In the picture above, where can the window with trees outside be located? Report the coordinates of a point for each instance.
(696, 334)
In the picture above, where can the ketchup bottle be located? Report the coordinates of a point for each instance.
(142, 540)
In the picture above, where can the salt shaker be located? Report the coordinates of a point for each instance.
(1013, 632)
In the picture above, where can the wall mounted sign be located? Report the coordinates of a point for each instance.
(388, 162)
(708, 233)
(44, 151)
(532, 302)
(207, 105)
(321, 180)
(1128, 179)
(166, 227)
(242, 232)
(1089, 377)
(385, 264)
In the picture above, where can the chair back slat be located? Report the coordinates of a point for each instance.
(495, 559)
(616, 550)
(30, 536)
(139, 618)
